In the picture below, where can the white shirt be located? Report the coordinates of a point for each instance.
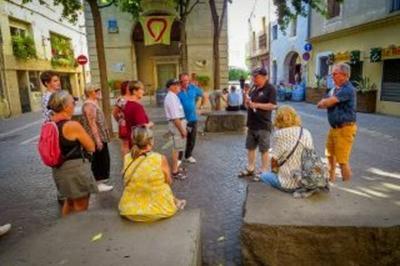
(173, 107)
(47, 113)
(283, 142)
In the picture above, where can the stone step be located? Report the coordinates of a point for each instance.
(174, 241)
(335, 228)
(224, 121)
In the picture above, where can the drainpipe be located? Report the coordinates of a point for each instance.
(308, 40)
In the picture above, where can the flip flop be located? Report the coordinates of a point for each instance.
(246, 173)
(180, 204)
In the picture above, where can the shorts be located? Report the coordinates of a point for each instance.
(260, 138)
(339, 143)
(178, 142)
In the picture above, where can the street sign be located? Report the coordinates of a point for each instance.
(82, 59)
(306, 56)
(308, 47)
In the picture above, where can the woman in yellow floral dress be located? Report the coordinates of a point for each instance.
(147, 195)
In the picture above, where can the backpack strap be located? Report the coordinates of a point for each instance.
(294, 148)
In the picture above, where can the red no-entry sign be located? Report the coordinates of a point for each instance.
(82, 59)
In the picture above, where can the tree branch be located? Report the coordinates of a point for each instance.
(191, 8)
(221, 20)
(107, 5)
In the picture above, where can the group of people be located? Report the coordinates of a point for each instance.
(83, 142)
(147, 175)
(290, 138)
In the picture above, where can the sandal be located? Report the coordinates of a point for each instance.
(246, 173)
(180, 204)
(179, 176)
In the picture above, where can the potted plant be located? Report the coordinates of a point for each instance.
(23, 47)
(316, 93)
(366, 95)
(204, 82)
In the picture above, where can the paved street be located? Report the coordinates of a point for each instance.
(27, 192)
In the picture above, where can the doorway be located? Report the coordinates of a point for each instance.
(24, 91)
(164, 73)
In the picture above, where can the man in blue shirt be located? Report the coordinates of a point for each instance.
(341, 106)
(234, 100)
(189, 95)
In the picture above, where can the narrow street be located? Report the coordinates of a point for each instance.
(28, 194)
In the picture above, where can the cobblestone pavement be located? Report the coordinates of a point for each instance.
(27, 192)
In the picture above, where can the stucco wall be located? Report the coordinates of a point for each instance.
(121, 50)
(285, 45)
(364, 40)
(43, 19)
(353, 13)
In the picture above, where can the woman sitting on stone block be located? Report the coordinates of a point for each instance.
(288, 143)
(147, 194)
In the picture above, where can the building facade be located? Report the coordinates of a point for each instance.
(258, 48)
(35, 39)
(287, 47)
(128, 58)
(365, 34)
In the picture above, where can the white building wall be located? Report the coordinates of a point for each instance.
(285, 45)
(44, 19)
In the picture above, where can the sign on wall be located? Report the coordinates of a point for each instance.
(157, 29)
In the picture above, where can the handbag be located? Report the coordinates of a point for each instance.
(276, 168)
(123, 131)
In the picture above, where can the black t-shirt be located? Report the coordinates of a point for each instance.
(261, 119)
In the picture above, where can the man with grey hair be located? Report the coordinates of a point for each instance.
(94, 123)
(341, 105)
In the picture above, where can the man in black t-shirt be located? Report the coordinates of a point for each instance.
(260, 103)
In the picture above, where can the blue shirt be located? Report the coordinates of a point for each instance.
(188, 99)
(345, 110)
(233, 99)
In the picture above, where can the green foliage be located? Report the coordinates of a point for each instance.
(365, 85)
(204, 81)
(63, 55)
(23, 47)
(70, 8)
(287, 10)
(319, 81)
(237, 73)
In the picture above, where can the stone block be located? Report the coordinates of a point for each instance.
(174, 241)
(223, 121)
(325, 229)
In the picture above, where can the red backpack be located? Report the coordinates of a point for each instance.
(49, 145)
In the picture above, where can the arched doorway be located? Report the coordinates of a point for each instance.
(293, 68)
(156, 63)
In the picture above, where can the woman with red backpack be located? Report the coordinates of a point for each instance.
(73, 177)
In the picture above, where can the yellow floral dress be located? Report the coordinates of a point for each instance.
(146, 197)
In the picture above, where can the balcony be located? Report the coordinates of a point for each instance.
(262, 41)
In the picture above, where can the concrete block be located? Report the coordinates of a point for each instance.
(223, 121)
(174, 241)
(336, 228)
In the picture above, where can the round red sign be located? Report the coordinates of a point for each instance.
(82, 59)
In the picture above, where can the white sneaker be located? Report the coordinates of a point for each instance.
(4, 229)
(179, 163)
(103, 187)
(191, 159)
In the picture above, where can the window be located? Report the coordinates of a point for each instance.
(254, 41)
(274, 32)
(34, 83)
(333, 8)
(293, 28)
(274, 72)
(356, 72)
(395, 5)
(323, 66)
(17, 31)
(391, 81)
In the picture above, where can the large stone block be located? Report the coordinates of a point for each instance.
(336, 228)
(223, 121)
(175, 241)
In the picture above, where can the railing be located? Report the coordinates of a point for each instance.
(262, 41)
